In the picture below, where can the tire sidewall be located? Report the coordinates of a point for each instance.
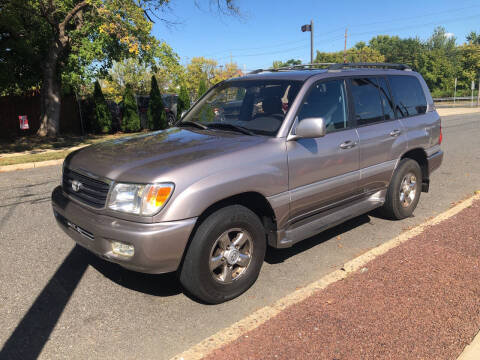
(405, 166)
(198, 254)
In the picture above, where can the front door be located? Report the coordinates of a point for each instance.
(323, 171)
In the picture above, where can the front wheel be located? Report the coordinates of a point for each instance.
(225, 255)
(404, 190)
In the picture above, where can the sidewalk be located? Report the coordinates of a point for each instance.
(420, 300)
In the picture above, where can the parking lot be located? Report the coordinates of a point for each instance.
(58, 301)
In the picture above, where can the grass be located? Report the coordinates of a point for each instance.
(35, 144)
(21, 159)
(37, 149)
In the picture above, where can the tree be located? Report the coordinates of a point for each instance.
(292, 62)
(228, 71)
(183, 102)
(473, 38)
(102, 115)
(199, 69)
(75, 40)
(130, 118)
(157, 118)
(362, 54)
(202, 88)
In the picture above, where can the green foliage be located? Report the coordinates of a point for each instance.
(292, 62)
(360, 54)
(183, 102)
(202, 88)
(438, 58)
(156, 116)
(130, 119)
(102, 117)
(473, 38)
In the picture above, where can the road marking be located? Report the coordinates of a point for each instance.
(260, 316)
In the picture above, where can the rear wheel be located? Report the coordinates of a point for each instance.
(225, 256)
(404, 190)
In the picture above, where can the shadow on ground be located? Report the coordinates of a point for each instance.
(36, 326)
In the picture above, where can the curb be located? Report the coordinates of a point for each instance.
(471, 351)
(259, 317)
(32, 165)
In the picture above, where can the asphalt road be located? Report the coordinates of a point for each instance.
(58, 301)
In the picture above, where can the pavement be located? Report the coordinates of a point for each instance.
(419, 300)
(58, 301)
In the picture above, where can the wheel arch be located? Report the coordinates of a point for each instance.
(253, 201)
(420, 156)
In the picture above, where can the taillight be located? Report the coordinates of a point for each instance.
(440, 138)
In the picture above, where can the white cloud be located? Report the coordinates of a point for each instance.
(449, 35)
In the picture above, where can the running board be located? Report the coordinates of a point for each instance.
(325, 220)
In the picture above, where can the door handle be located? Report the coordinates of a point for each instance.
(347, 144)
(395, 133)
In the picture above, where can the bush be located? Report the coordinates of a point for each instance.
(183, 101)
(102, 119)
(130, 119)
(156, 116)
(202, 88)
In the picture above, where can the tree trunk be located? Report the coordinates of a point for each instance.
(50, 94)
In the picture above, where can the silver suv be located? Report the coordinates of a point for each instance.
(271, 158)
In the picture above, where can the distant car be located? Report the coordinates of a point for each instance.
(170, 103)
(271, 158)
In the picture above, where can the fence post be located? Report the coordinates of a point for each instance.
(455, 92)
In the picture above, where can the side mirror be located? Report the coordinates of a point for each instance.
(310, 128)
(183, 114)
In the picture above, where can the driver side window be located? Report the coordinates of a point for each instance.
(326, 99)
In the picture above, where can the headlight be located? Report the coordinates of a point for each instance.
(139, 199)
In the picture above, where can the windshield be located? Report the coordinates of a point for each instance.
(256, 106)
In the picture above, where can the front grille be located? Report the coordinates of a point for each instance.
(92, 192)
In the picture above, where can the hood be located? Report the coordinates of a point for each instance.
(146, 157)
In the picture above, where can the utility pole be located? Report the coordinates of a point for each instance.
(309, 28)
(345, 48)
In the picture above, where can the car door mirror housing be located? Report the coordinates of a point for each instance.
(310, 128)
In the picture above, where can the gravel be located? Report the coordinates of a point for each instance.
(421, 300)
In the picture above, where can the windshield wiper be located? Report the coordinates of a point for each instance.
(192, 123)
(232, 127)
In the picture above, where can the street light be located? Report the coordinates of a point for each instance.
(309, 27)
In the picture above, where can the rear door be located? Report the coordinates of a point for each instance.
(323, 171)
(382, 137)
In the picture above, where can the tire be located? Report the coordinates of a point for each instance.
(394, 207)
(209, 243)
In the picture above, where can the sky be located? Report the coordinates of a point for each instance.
(270, 30)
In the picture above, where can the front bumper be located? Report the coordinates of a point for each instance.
(159, 247)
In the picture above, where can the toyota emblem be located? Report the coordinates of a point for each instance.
(76, 185)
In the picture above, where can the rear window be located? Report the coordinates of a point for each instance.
(366, 100)
(408, 96)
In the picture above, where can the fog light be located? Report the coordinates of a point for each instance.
(122, 249)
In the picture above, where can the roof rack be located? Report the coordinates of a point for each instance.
(337, 66)
(295, 67)
(369, 65)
